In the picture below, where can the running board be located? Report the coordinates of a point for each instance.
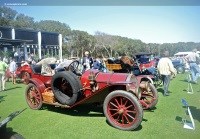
(56, 104)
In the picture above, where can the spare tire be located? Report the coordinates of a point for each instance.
(65, 87)
(80, 86)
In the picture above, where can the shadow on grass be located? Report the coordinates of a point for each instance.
(87, 110)
(161, 90)
(137, 129)
(150, 110)
(194, 111)
(178, 118)
(184, 80)
(8, 133)
(2, 98)
(13, 88)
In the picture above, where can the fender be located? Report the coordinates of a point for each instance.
(40, 85)
(150, 79)
(147, 77)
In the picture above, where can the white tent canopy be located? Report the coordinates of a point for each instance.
(184, 53)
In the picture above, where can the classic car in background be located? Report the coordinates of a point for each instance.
(25, 71)
(127, 65)
(123, 95)
(145, 60)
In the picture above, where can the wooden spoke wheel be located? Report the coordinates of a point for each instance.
(33, 97)
(149, 96)
(123, 110)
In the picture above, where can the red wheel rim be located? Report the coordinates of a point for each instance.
(148, 97)
(33, 97)
(122, 111)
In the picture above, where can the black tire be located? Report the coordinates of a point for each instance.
(150, 96)
(33, 97)
(65, 88)
(80, 94)
(16, 136)
(180, 70)
(123, 110)
(76, 79)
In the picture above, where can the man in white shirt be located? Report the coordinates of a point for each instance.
(192, 59)
(12, 68)
(166, 69)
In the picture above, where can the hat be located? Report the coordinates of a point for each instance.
(86, 53)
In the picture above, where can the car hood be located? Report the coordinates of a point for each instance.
(109, 78)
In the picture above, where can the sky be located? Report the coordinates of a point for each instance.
(150, 24)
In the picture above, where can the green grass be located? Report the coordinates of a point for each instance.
(89, 122)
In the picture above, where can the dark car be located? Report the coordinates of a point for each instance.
(179, 66)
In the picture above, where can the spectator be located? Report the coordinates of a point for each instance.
(87, 62)
(96, 64)
(31, 59)
(16, 56)
(3, 67)
(5, 59)
(21, 58)
(166, 69)
(12, 69)
(192, 59)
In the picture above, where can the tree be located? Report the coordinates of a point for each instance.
(7, 16)
(80, 41)
(23, 21)
(105, 41)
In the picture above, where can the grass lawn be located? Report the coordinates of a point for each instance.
(89, 122)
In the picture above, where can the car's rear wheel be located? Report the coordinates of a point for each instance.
(149, 97)
(33, 97)
(123, 110)
(180, 70)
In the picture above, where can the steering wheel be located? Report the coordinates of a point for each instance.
(74, 68)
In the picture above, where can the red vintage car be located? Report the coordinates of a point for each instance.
(123, 95)
(25, 71)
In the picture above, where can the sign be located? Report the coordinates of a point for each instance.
(188, 125)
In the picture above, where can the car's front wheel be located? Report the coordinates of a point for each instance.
(123, 110)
